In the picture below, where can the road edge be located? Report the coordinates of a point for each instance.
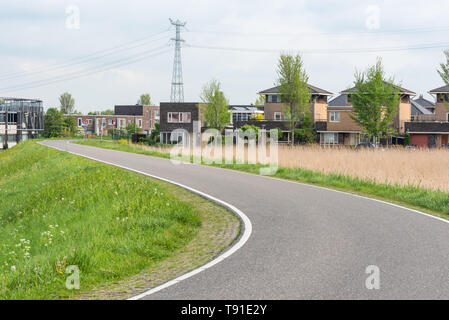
(240, 241)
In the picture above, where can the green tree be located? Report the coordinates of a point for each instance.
(132, 128)
(375, 100)
(53, 123)
(214, 110)
(70, 127)
(260, 101)
(67, 103)
(444, 72)
(294, 91)
(305, 134)
(144, 99)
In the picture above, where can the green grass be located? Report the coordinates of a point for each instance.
(57, 210)
(430, 201)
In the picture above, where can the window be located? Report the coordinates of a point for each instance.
(89, 121)
(447, 117)
(109, 122)
(139, 123)
(80, 122)
(334, 116)
(273, 98)
(179, 117)
(329, 138)
(277, 116)
(157, 116)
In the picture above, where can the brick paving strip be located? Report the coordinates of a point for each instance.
(219, 229)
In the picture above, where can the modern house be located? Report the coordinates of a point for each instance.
(143, 116)
(245, 113)
(273, 105)
(432, 130)
(20, 120)
(340, 128)
(274, 117)
(177, 115)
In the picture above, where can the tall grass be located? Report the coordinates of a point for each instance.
(415, 178)
(58, 210)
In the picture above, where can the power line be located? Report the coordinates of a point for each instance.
(84, 58)
(329, 51)
(333, 34)
(74, 75)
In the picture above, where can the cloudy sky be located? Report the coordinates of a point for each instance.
(117, 50)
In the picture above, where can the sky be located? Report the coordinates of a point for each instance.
(109, 52)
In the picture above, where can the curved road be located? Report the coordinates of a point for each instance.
(307, 242)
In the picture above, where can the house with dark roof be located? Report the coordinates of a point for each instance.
(429, 105)
(340, 128)
(431, 130)
(273, 105)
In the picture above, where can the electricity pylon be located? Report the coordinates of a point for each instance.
(177, 85)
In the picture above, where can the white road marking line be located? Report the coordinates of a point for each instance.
(247, 226)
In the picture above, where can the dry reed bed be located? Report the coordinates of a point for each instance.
(427, 168)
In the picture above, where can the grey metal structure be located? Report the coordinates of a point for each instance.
(177, 85)
(20, 119)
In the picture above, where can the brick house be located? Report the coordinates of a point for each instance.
(177, 115)
(340, 128)
(432, 130)
(273, 105)
(143, 116)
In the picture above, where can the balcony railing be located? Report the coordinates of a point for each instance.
(424, 118)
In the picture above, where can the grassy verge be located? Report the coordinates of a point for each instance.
(58, 210)
(430, 201)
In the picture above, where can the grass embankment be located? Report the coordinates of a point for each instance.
(431, 201)
(58, 210)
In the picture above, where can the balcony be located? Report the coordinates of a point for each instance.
(423, 118)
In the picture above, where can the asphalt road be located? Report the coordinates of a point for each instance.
(306, 242)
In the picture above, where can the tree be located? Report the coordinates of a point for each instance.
(107, 112)
(214, 111)
(444, 72)
(305, 134)
(67, 103)
(293, 89)
(260, 101)
(374, 100)
(70, 127)
(56, 124)
(53, 123)
(144, 99)
(132, 128)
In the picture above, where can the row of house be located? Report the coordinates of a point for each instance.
(144, 117)
(426, 122)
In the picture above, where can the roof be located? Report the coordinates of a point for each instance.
(443, 89)
(340, 101)
(427, 127)
(424, 102)
(313, 90)
(418, 108)
(251, 108)
(401, 91)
